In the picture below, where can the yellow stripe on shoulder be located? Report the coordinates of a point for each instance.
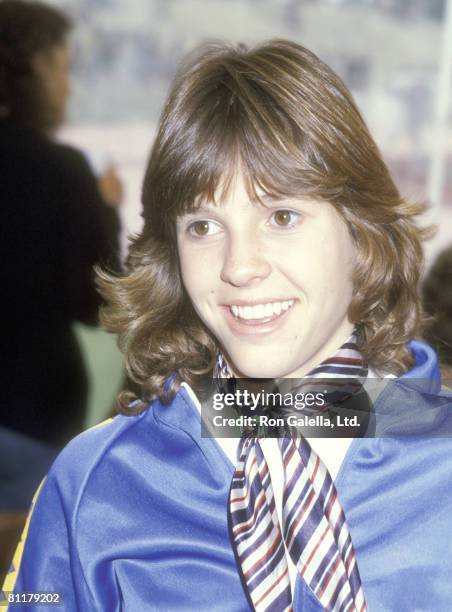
(109, 420)
(11, 576)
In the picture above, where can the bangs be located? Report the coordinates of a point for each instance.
(230, 134)
(266, 114)
(227, 122)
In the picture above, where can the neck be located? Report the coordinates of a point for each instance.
(340, 336)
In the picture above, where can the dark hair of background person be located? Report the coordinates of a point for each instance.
(437, 295)
(27, 28)
(291, 125)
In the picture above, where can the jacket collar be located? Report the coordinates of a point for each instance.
(426, 366)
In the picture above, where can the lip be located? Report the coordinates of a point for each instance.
(250, 327)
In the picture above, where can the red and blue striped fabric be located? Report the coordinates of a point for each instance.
(315, 532)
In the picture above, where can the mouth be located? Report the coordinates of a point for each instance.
(260, 312)
(258, 318)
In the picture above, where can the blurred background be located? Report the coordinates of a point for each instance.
(395, 55)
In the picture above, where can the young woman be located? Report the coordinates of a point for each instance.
(275, 246)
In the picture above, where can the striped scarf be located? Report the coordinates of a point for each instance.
(315, 531)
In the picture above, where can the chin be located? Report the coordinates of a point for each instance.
(257, 368)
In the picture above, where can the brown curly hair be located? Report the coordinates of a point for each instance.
(292, 125)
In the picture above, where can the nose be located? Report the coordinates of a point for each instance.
(245, 262)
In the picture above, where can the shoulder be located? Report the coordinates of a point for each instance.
(426, 377)
(75, 474)
(91, 449)
(24, 142)
(69, 154)
(70, 161)
(60, 159)
(417, 404)
(117, 449)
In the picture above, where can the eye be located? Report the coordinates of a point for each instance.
(203, 228)
(285, 218)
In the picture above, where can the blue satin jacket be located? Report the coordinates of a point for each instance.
(132, 515)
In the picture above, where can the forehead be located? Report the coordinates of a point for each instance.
(242, 194)
(241, 190)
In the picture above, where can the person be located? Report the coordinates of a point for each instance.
(58, 221)
(276, 250)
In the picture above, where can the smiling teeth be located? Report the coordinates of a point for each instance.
(260, 311)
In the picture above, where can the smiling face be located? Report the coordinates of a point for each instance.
(272, 281)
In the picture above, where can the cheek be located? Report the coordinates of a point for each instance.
(323, 267)
(202, 262)
(189, 276)
(341, 271)
(196, 275)
(184, 261)
(184, 265)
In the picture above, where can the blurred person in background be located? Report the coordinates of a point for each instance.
(58, 220)
(437, 297)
